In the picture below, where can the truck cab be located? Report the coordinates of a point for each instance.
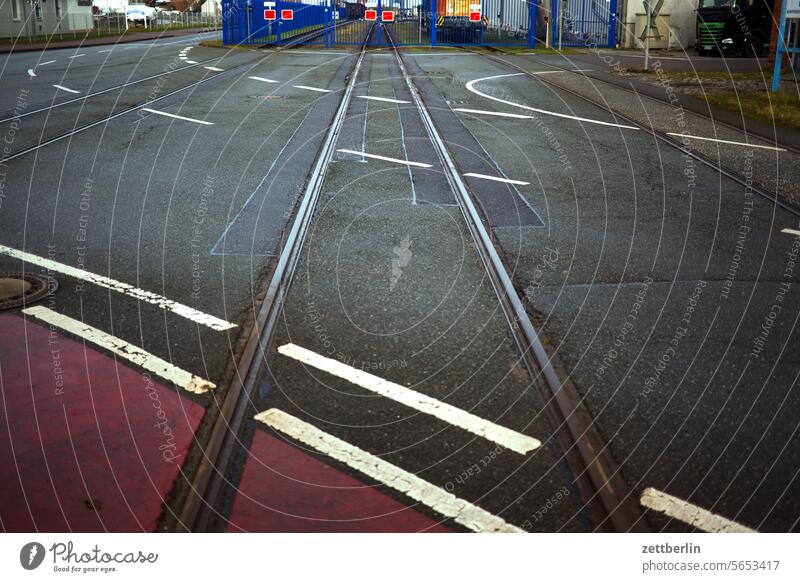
(734, 27)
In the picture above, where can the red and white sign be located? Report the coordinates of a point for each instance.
(474, 16)
(371, 15)
(287, 14)
(387, 16)
(269, 15)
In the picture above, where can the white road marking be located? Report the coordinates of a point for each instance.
(164, 113)
(77, 56)
(184, 58)
(385, 159)
(31, 73)
(122, 349)
(45, 63)
(791, 231)
(750, 145)
(684, 511)
(317, 89)
(500, 435)
(381, 99)
(496, 179)
(192, 62)
(471, 87)
(214, 69)
(495, 113)
(67, 89)
(262, 79)
(106, 51)
(183, 310)
(461, 511)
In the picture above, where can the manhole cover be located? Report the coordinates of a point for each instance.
(17, 289)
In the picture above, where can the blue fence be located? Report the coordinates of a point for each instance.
(584, 23)
(249, 21)
(421, 22)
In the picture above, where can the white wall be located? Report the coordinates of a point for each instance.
(681, 22)
(73, 17)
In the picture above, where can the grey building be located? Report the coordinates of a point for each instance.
(26, 18)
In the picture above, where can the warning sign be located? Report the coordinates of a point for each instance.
(387, 16)
(371, 15)
(269, 15)
(474, 16)
(287, 14)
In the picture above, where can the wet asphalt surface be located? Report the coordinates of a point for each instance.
(621, 249)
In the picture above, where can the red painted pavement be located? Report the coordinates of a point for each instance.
(86, 444)
(284, 489)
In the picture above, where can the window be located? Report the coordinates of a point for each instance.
(58, 9)
(16, 11)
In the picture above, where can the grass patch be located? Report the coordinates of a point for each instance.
(782, 108)
(707, 75)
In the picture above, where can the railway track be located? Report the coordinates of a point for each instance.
(83, 99)
(210, 483)
(660, 136)
(595, 473)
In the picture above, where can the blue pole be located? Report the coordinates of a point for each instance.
(612, 31)
(776, 75)
(432, 17)
(532, 24)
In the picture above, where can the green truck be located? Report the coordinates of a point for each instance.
(734, 27)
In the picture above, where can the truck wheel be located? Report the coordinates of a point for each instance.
(753, 46)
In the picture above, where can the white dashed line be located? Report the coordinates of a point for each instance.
(106, 51)
(370, 97)
(447, 504)
(750, 145)
(31, 73)
(214, 69)
(67, 89)
(791, 231)
(191, 62)
(122, 349)
(165, 114)
(45, 63)
(505, 437)
(496, 179)
(495, 113)
(177, 308)
(77, 56)
(385, 159)
(471, 87)
(262, 79)
(317, 89)
(684, 511)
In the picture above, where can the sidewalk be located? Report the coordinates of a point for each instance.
(103, 40)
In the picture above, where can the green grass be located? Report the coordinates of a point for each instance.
(707, 75)
(782, 108)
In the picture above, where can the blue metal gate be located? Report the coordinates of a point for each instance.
(419, 22)
(584, 23)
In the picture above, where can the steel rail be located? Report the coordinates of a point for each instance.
(669, 140)
(596, 472)
(198, 510)
(133, 108)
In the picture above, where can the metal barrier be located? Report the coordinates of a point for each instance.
(275, 22)
(421, 22)
(584, 23)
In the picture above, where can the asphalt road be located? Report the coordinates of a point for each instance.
(668, 291)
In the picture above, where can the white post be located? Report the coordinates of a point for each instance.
(560, 21)
(647, 35)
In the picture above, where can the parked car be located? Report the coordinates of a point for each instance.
(140, 13)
